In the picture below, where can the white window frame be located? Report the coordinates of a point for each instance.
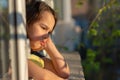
(18, 39)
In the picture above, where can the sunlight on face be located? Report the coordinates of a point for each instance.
(39, 31)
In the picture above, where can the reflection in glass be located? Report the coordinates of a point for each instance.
(4, 40)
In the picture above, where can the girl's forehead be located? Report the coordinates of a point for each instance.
(46, 13)
(48, 19)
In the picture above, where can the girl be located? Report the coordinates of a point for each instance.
(41, 20)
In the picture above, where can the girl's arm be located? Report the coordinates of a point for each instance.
(58, 60)
(39, 73)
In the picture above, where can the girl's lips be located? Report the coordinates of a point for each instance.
(42, 43)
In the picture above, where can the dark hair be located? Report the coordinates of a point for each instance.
(35, 9)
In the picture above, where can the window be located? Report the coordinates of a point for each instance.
(4, 38)
(13, 40)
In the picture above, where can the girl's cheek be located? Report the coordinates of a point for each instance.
(35, 45)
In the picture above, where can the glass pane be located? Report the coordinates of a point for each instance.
(4, 40)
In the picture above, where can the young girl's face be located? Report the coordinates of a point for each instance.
(38, 32)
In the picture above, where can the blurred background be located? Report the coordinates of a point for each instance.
(88, 30)
(92, 28)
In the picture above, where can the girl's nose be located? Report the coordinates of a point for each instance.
(45, 36)
(44, 40)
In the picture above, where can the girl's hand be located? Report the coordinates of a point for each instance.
(48, 44)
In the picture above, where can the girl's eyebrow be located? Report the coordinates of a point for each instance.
(45, 26)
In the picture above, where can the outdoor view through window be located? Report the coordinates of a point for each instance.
(4, 39)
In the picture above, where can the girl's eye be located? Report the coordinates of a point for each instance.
(43, 27)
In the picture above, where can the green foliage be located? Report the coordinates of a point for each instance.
(93, 32)
(104, 31)
(80, 3)
(90, 64)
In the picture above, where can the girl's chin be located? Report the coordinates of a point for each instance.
(37, 49)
